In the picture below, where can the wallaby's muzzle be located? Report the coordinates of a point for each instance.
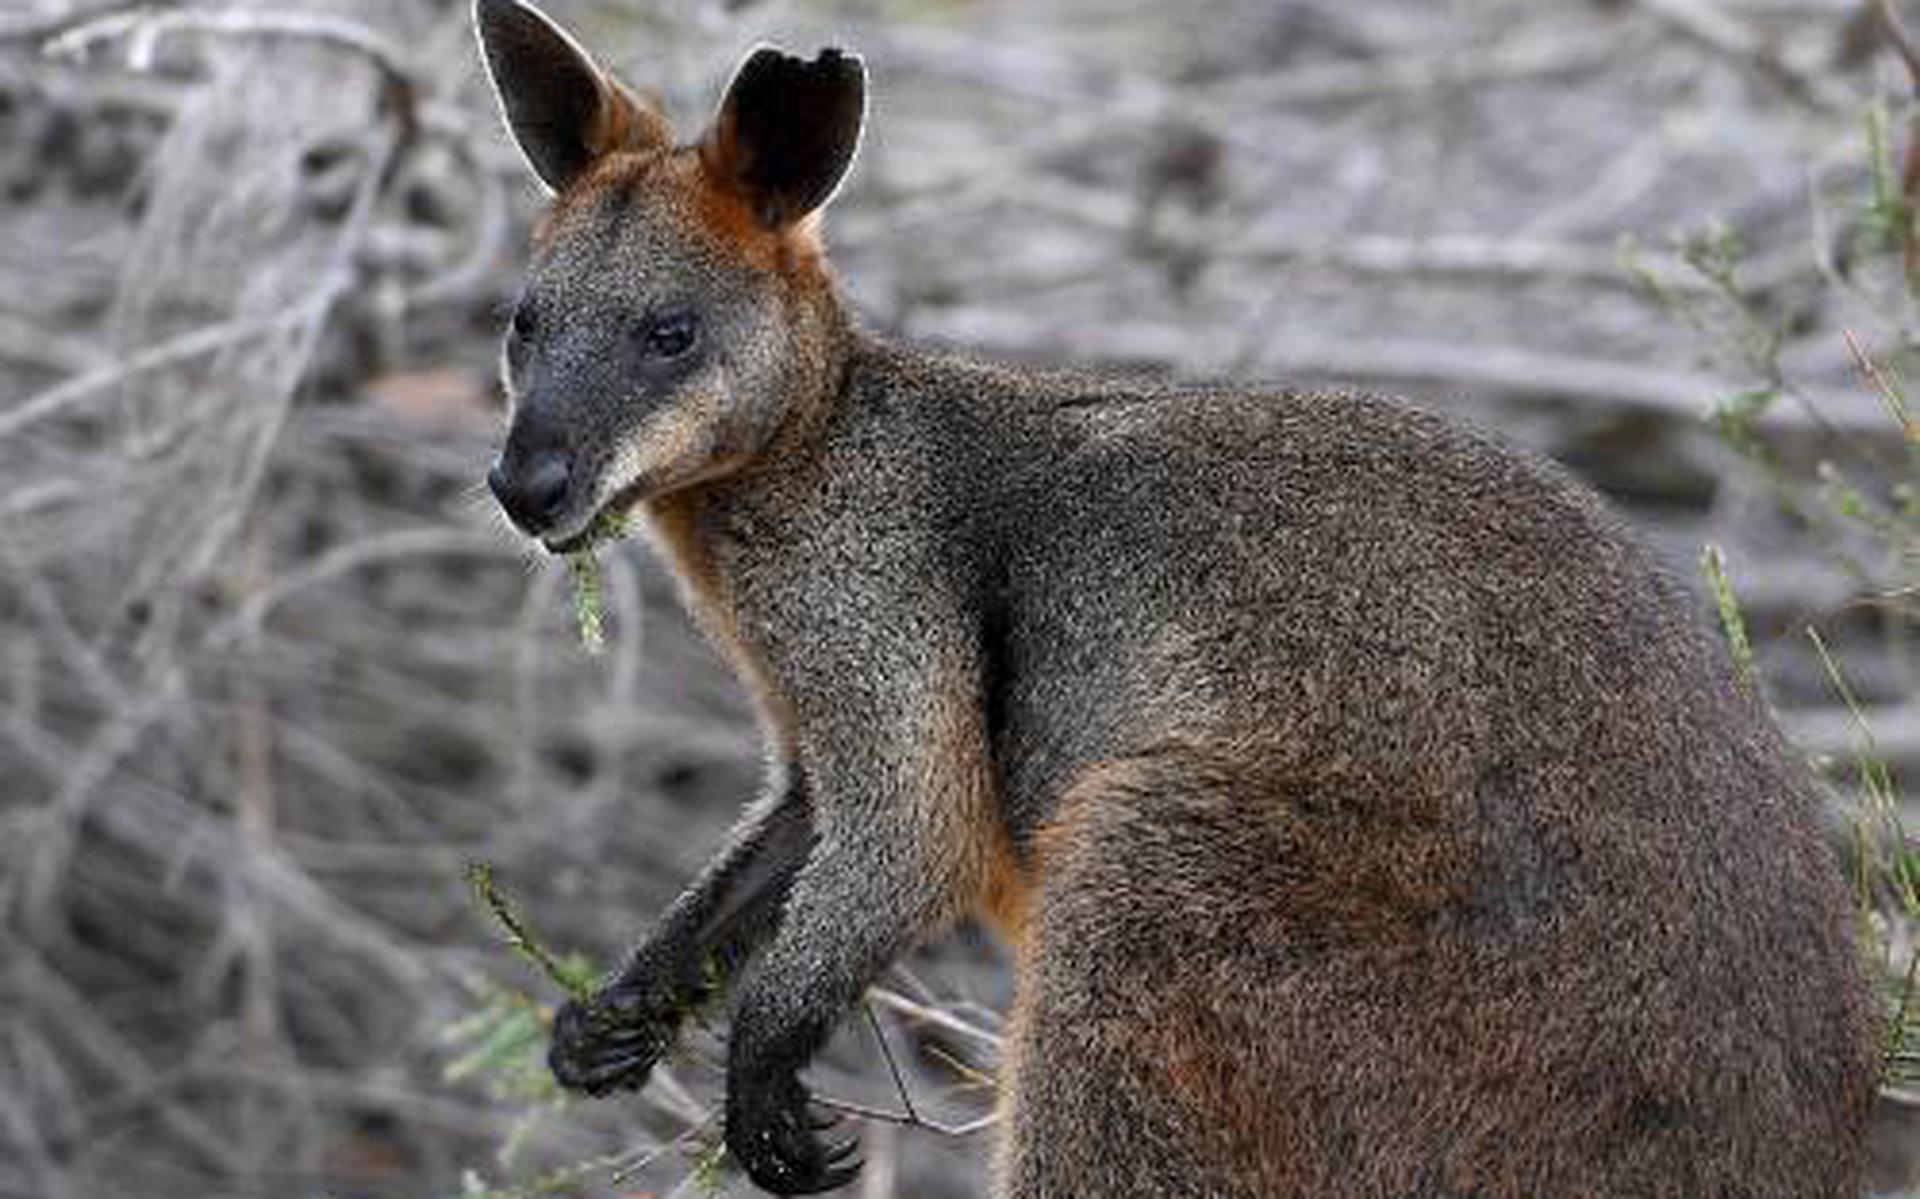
(533, 487)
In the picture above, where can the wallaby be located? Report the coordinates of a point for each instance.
(1370, 813)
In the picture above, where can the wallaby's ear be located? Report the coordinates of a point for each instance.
(563, 110)
(787, 130)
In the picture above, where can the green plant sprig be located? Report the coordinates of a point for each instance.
(583, 565)
(574, 977)
(1732, 622)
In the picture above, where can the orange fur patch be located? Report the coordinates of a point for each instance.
(679, 183)
(1006, 903)
(794, 251)
(627, 122)
(960, 812)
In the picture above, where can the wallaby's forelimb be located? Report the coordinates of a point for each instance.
(612, 1040)
(718, 921)
(889, 758)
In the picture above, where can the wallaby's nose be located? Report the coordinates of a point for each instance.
(533, 491)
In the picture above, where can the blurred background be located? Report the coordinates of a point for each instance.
(273, 673)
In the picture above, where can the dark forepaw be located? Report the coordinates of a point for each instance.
(772, 1131)
(610, 1041)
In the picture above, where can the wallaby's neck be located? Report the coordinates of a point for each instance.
(825, 342)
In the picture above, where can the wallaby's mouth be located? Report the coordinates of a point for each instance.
(572, 545)
(607, 523)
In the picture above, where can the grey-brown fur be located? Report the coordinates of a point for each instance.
(1370, 813)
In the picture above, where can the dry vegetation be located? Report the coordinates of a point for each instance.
(271, 673)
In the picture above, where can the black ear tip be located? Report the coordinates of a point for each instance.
(847, 66)
(510, 25)
(790, 128)
(831, 64)
(492, 12)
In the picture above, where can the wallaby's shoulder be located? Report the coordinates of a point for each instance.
(1140, 402)
(1082, 422)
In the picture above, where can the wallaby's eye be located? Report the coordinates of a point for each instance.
(670, 336)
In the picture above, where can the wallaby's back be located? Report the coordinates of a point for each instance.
(1401, 831)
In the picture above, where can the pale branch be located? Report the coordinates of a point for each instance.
(911, 1116)
(45, 349)
(142, 28)
(1834, 733)
(1884, 387)
(41, 27)
(400, 545)
(1704, 23)
(893, 1067)
(1525, 57)
(879, 1177)
(921, 1013)
(965, 1128)
(1475, 368)
(1499, 259)
(57, 1003)
(55, 624)
(185, 348)
(1898, 37)
(1482, 256)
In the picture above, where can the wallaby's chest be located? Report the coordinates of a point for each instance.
(706, 558)
(747, 583)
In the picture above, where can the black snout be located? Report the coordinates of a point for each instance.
(532, 489)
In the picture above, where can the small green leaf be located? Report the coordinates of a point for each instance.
(1732, 622)
(572, 974)
(584, 567)
(589, 608)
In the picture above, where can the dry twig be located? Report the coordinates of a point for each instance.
(1703, 22)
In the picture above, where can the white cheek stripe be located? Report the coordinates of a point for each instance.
(644, 452)
(625, 469)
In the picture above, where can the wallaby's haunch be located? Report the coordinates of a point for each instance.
(1369, 813)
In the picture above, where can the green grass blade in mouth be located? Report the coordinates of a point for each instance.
(583, 565)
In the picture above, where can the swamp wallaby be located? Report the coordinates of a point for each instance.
(1369, 812)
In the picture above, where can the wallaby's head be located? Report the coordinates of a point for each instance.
(677, 313)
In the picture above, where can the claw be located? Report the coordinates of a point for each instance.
(837, 1152)
(621, 1036)
(841, 1176)
(775, 1137)
(613, 1069)
(608, 1042)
